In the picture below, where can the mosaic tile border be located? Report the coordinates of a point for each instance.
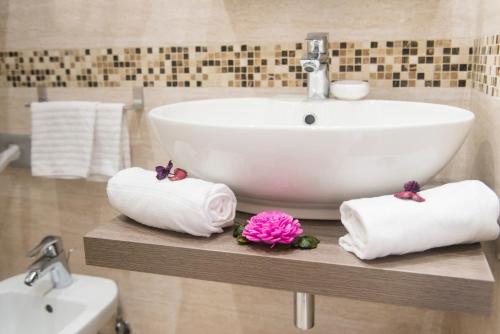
(400, 63)
(486, 65)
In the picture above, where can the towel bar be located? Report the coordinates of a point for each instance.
(128, 107)
(137, 98)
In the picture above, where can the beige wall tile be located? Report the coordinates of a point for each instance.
(14, 117)
(56, 23)
(486, 157)
(488, 22)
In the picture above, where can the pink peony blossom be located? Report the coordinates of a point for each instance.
(272, 227)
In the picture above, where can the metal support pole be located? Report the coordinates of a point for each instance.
(303, 304)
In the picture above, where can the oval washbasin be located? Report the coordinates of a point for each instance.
(263, 149)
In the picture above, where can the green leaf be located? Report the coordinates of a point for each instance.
(238, 230)
(305, 242)
(242, 240)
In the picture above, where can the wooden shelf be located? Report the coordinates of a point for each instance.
(454, 278)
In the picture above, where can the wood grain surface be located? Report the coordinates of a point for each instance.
(454, 278)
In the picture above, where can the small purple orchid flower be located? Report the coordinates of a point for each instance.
(163, 172)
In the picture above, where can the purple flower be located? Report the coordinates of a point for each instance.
(412, 186)
(272, 227)
(163, 172)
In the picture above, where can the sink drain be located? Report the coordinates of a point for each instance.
(309, 119)
(49, 308)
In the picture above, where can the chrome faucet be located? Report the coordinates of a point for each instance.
(316, 65)
(53, 260)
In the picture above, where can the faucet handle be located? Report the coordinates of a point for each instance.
(317, 42)
(50, 245)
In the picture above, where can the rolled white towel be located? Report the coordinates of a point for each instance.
(455, 213)
(191, 205)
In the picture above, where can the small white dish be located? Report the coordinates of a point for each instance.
(349, 89)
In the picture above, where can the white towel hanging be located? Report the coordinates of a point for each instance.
(62, 135)
(111, 148)
(79, 140)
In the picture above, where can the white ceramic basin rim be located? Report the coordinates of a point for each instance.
(286, 114)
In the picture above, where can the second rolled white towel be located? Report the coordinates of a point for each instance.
(191, 205)
(455, 213)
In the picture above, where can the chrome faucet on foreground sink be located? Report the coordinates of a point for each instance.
(53, 260)
(315, 63)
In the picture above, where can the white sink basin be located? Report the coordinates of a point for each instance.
(263, 149)
(81, 308)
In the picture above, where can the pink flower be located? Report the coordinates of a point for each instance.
(272, 227)
(409, 195)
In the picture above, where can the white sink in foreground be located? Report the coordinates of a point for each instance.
(84, 307)
(265, 152)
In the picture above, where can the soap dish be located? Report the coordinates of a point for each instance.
(349, 89)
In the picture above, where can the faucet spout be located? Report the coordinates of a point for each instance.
(316, 64)
(31, 278)
(53, 260)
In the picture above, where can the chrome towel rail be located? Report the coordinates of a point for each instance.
(137, 98)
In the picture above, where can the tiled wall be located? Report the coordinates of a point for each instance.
(401, 63)
(486, 65)
(395, 63)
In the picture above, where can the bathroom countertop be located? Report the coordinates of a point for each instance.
(454, 278)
